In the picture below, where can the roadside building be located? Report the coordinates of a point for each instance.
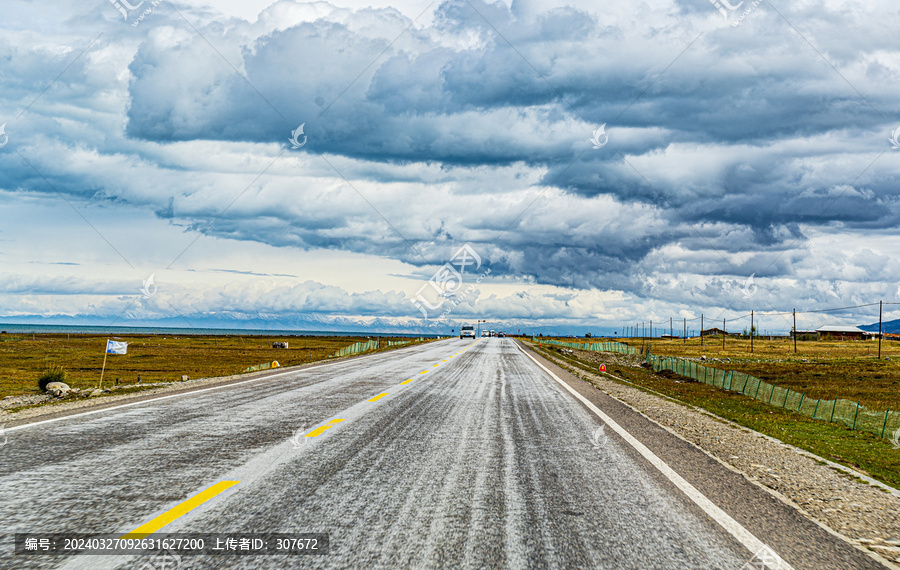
(716, 331)
(804, 334)
(841, 332)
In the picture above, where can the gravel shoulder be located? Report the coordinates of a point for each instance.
(43, 406)
(861, 510)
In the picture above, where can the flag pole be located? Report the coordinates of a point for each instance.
(102, 370)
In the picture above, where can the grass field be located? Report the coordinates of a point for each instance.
(153, 358)
(821, 369)
(866, 452)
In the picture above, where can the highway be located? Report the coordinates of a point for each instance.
(452, 454)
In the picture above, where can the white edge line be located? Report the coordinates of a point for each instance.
(745, 537)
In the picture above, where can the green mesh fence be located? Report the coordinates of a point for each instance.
(359, 347)
(596, 346)
(356, 348)
(845, 412)
(851, 414)
(263, 366)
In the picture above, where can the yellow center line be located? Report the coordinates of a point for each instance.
(423, 372)
(180, 510)
(407, 381)
(378, 397)
(436, 365)
(319, 430)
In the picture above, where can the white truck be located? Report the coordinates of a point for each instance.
(467, 331)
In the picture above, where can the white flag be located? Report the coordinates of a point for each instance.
(113, 347)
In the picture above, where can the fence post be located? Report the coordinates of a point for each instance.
(817, 407)
(832, 409)
(803, 397)
(855, 415)
(758, 384)
(771, 394)
(786, 394)
(746, 379)
(885, 421)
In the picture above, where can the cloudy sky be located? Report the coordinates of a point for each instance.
(546, 165)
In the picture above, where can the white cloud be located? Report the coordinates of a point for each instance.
(746, 156)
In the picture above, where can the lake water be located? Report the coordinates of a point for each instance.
(113, 330)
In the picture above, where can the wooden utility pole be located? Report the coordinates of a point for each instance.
(794, 311)
(751, 332)
(685, 330)
(880, 306)
(670, 326)
(723, 334)
(701, 330)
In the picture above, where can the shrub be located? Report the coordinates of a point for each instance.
(51, 374)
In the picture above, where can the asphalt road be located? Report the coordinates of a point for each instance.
(485, 460)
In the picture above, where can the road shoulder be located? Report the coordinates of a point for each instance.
(68, 407)
(731, 464)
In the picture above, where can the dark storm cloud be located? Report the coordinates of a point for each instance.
(726, 146)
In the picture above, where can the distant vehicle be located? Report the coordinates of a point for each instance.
(485, 333)
(467, 331)
(501, 334)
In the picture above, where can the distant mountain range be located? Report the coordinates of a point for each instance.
(888, 327)
(235, 322)
(312, 322)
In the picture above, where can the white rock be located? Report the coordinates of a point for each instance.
(57, 388)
